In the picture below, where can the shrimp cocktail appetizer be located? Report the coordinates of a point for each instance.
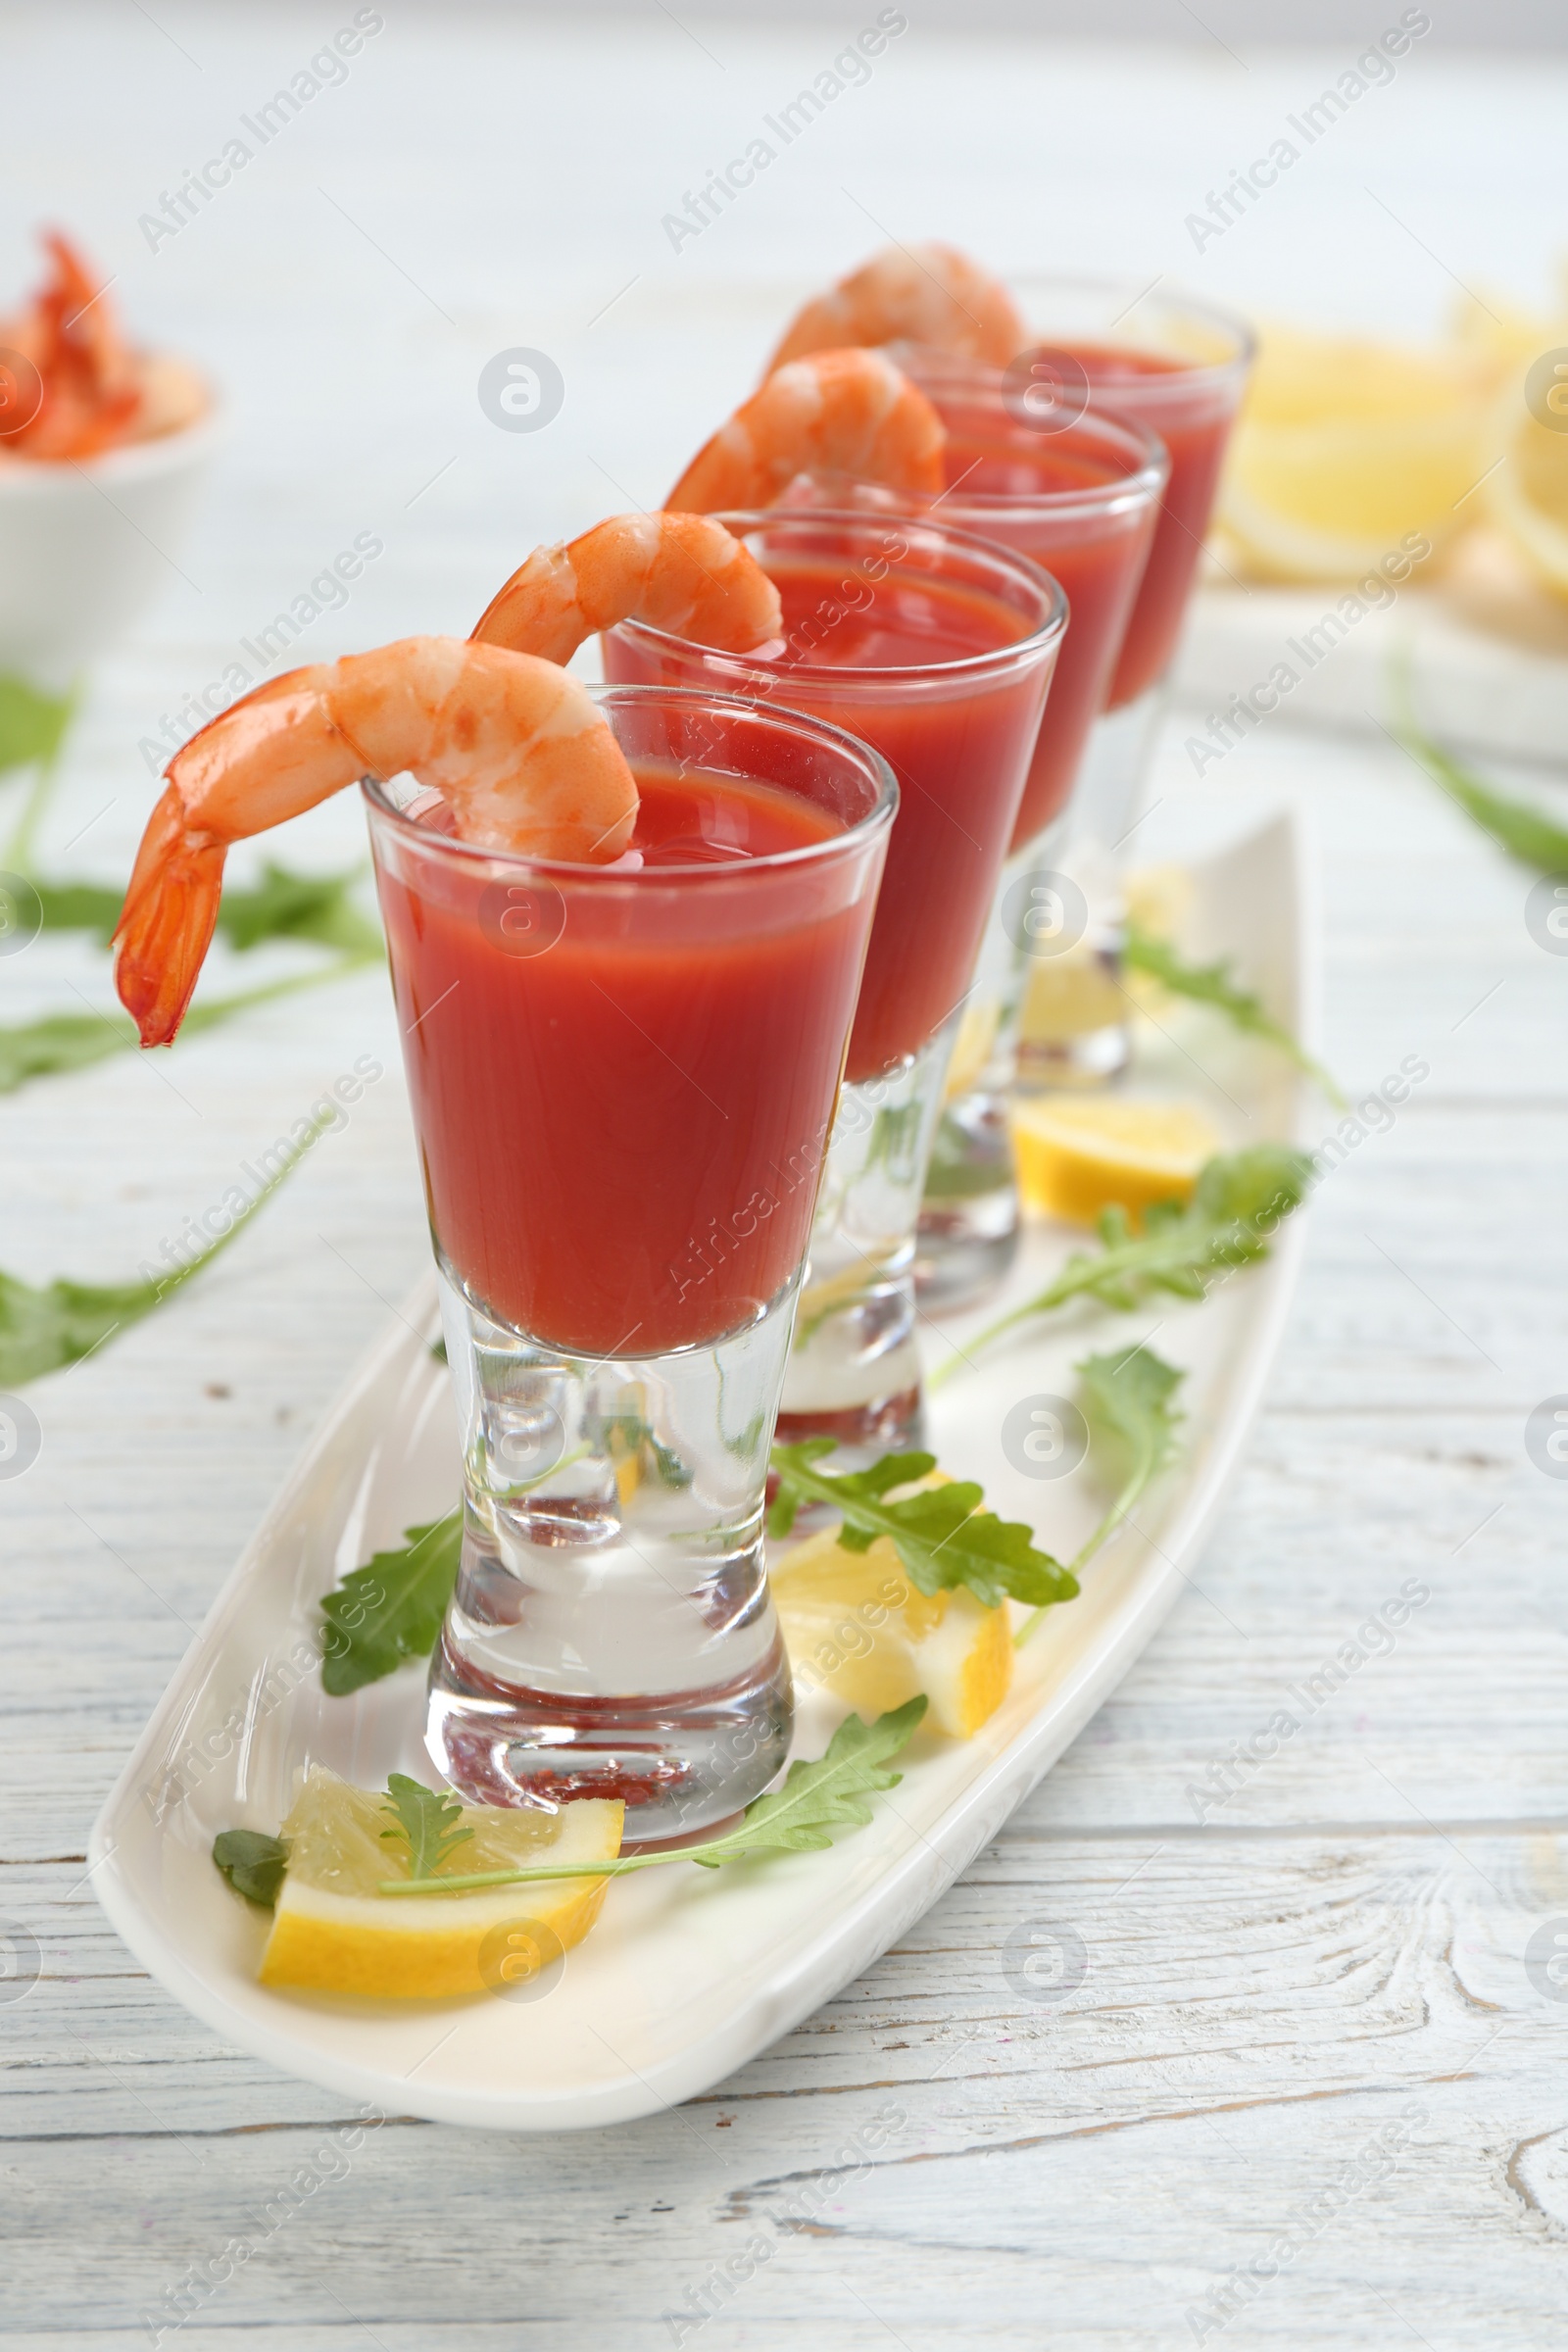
(936, 649)
(1054, 349)
(627, 930)
(1083, 503)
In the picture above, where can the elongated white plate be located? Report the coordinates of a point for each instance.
(691, 1973)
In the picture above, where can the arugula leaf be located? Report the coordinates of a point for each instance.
(1514, 825)
(282, 905)
(390, 1610)
(289, 905)
(1126, 1402)
(80, 907)
(1132, 1434)
(32, 724)
(58, 1042)
(1212, 984)
(818, 1798)
(62, 1041)
(815, 1800)
(427, 1818)
(942, 1536)
(253, 1863)
(42, 1329)
(1239, 1199)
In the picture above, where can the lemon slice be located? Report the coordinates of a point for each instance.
(331, 1931)
(1077, 1154)
(971, 1047)
(1528, 494)
(1072, 996)
(855, 1625)
(1346, 448)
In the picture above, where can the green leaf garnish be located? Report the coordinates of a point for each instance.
(1126, 1402)
(80, 907)
(61, 1042)
(428, 1819)
(833, 1794)
(290, 906)
(390, 1610)
(1239, 1199)
(58, 1042)
(1211, 983)
(32, 724)
(1514, 825)
(942, 1536)
(282, 905)
(253, 1863)
(42, 1329)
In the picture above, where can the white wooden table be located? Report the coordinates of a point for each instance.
(1330, 1964)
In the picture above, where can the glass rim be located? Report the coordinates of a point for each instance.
(822, 731)
(997, 660)
(1230, 323)
(1149, 477)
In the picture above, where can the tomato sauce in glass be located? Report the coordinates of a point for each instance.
(1055, 497)
(872, 655)
(623, 1093)
(1193, 420)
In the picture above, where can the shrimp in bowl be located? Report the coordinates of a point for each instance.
(519, 750)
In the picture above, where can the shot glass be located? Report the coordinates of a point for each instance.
(1083, 503)
(622, 1079)
(936, 648)
(1178, 367)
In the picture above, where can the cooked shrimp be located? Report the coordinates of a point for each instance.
(90, 391)
(681, 573)
(836, 411)
(519, 750)
(930, 294)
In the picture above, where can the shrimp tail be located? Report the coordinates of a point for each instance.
(683, 572)
(165, 925)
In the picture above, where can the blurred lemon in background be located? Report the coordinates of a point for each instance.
(1347, 448)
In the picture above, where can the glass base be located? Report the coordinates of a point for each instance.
(680, 1762)
(1093, 1057)
(612, 1632)
(854, 1372)
(969, 1231)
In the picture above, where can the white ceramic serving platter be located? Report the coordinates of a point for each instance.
(691, 1973)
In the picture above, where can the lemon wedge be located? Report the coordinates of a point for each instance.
(971, 1047)
(1071, 996)
(1346, 448)
(1077, 1154)
(855, 1625)
(1528, 493)
(332, 1933)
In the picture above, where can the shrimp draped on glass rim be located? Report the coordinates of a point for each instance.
(521, 753)
(841, 412)
(927, 294)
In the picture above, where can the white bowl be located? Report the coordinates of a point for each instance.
(86, 544)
